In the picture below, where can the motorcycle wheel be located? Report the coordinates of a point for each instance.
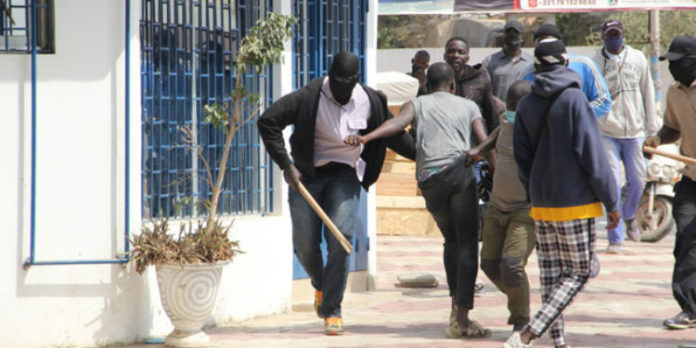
(662, 213)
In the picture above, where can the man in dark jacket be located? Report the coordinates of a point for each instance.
(323, 113)
(562, 164)
(472, 82)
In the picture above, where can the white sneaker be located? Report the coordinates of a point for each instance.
(515, 342)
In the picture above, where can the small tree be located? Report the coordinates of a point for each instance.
(262, 46)
(208, 242)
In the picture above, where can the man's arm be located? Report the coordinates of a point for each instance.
(648, 90)
(587, 144)
(492, 108)
(479, 130)
(594, 86)
(483, 147)
(271, 124)
(392, 126)
(665, 135)
(522, 150)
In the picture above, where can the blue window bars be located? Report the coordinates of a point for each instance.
(188, 48)
(15, 26)
(326, 27)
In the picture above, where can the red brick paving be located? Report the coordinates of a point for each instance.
(623, 307)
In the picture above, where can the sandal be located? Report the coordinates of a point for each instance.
(473, 330)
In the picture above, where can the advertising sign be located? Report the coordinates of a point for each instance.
(603, 5)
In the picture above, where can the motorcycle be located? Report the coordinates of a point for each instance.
(654, 216)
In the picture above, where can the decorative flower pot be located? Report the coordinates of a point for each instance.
(188, 296)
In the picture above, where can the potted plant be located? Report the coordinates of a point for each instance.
(189, 265)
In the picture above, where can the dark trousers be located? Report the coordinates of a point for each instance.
(450, 196)
(337, 190)
(684, 275)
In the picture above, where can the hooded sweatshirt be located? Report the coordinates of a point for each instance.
(569, 175)
(473, 83)
(632, 112)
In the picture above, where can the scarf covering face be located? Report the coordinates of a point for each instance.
(613, 43)
(341, 90)
(684, 70)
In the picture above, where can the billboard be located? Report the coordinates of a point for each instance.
(602, 5)
(386, 7)
(472, 5)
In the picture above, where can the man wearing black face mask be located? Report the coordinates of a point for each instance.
(680, 119)
(632, 118)
(509, 64)
(323, 113)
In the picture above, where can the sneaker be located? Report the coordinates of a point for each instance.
(478, 286)
(594, 266)
(333, 326)
(680, 321)
(632, 230)
(614, 249)
(317, 302)
(516, 342)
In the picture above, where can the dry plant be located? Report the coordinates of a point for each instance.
(208, 240)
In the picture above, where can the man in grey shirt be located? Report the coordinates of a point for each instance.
(507, 65)
(445, 125)
(508, 230)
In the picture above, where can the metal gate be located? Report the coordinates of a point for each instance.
(188, 49)
(325, 28)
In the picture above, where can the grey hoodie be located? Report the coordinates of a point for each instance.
(633, 113)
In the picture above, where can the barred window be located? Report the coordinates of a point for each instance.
(187, 49)
(16, 29)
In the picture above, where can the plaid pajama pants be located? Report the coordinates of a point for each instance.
(564, 250)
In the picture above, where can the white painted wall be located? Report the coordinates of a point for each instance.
(80, 198)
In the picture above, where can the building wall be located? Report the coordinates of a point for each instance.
(81, 199)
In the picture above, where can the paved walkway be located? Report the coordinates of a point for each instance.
(623, 307)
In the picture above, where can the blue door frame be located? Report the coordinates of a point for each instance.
(327, 27)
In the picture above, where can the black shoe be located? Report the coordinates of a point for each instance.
(680, 321)
(518, 327)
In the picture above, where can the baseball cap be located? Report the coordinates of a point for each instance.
(682, 45)
(547, 30)
(513, 24)
(612, 24)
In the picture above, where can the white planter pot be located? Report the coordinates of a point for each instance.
(188, 296)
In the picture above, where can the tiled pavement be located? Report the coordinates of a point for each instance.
(623, 307)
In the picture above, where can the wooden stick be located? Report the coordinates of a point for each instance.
(680, 158)
(327, 221)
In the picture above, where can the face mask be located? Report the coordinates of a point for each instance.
(510, 116)
(684, 70)
(613, 43)
(512, 43)
(342, 87)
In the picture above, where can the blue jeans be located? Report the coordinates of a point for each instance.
(629, 152)
(337, 190)
(450, 196)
